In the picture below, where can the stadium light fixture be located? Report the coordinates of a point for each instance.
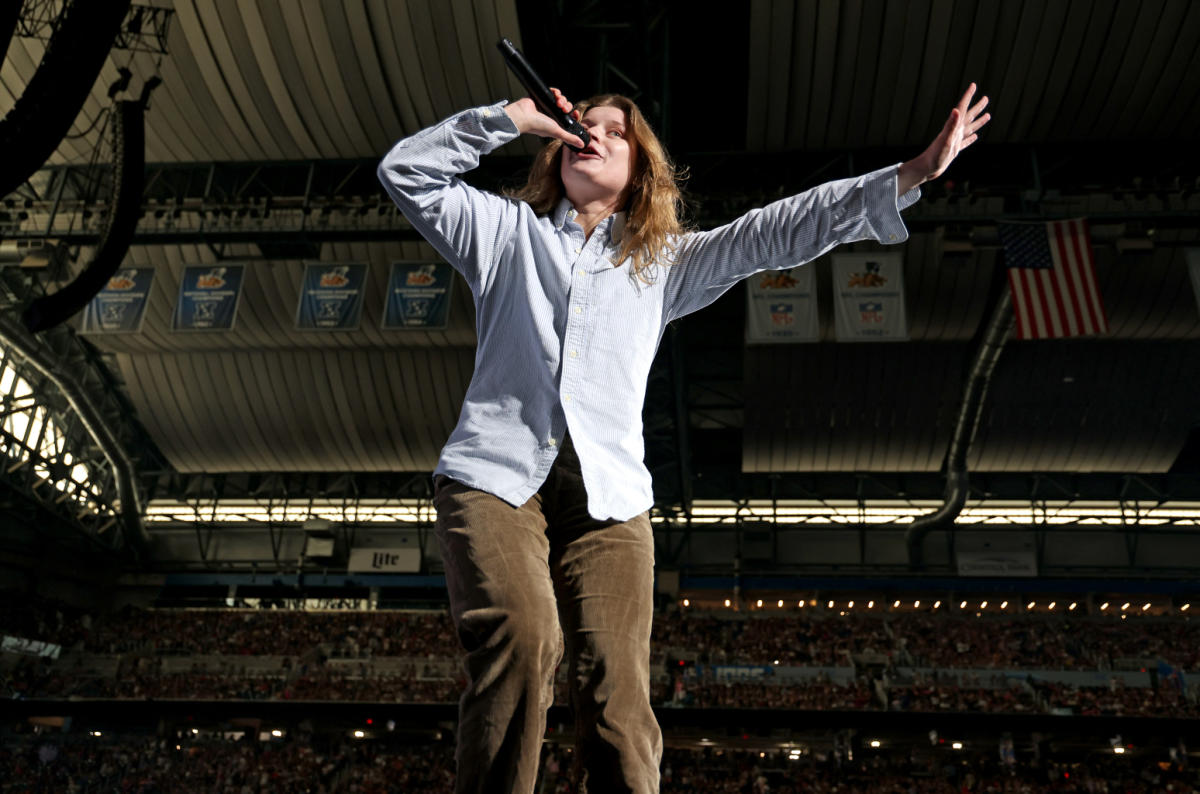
(962, 605)
(830, 604)
(1004, 605)
(687, 603)
(758, 603)
(1125, 606)
(917, 604)
(1145, 606)
(850, 605)
(896, 605)
(983, 604)
(1185, 608)
(1104, 606)
(888, 512)
(800, 604)
(871, 605)
(1053, 604)
(1073, 605)
(781, 603)
(1031, 605)
(937, 603)
(726, 602)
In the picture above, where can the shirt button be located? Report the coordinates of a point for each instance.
(579, 250)
(578, 310)
(553, 443)
(566, 398)
(891, 237)
(574, 354)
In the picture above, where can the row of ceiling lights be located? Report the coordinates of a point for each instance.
(937, 604)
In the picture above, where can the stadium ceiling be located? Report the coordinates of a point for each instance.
(262, 139)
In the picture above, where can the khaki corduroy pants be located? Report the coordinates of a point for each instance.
(523, 579)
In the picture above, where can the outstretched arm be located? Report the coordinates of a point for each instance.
(800, 228)
(959, 132)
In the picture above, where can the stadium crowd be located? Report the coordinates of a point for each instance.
(321, 683)
(324, 764)
(946, 639)
(941, 639)
(340, 656)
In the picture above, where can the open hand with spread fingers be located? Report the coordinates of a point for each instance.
(960, 131)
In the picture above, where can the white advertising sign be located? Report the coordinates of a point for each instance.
(402, 560)
(997, 563)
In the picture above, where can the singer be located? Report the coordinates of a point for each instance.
(542, 497)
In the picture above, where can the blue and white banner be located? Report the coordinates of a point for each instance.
(120, 307)
(331, 296)
(868, 291)
(208, 298)
(418, 295)
(782, 306)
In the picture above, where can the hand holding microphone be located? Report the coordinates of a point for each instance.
(543, 98)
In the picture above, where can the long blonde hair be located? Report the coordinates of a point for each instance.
(654, 207)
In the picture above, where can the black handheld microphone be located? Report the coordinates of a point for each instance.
(540, 93)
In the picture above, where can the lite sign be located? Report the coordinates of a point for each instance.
(400, 560)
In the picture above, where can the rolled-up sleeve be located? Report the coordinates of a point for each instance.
(420, 174)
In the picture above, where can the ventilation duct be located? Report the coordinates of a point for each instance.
(10, 12)
(40, 119)
(974, 391)
(129, 166)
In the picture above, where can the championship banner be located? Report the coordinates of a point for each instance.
(1193, 260)
(781, 306)
(868, 294)
(418, 295)
(331, 297)
(208, 298)
(120, 307)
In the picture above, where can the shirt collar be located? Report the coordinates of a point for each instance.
(560, 212)
(615, 223)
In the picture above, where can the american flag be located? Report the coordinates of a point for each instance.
(1053, 279)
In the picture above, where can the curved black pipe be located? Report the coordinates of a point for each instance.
(129, 167)
(10, 12)
(974, 391)
(43, 115)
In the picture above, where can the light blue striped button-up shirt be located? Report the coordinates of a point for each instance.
(566, 338)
